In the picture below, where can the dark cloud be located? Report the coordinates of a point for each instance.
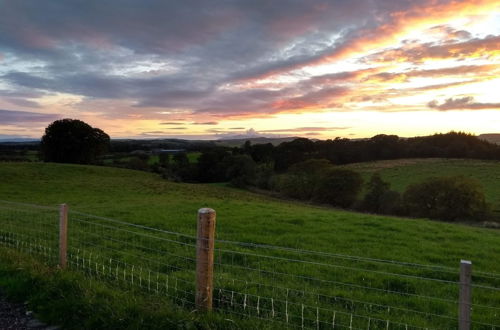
(174, 123)
(173, 53)
(462, 103)
(13, 117)
(182, 55)
(206, 123)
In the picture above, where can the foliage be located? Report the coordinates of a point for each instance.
(164, 159)
(376, 189)
(379, 198)
(263, 175)
(73, 141)
(339, 187)
(448, 198)
(241, 171)
(302, 178)
(211, 166)
(344, 151)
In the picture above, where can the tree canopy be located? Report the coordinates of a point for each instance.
(73, 141)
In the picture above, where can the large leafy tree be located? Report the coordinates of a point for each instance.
(448, 198)
(73, 141)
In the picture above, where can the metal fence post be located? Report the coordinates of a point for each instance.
(205, 259)
(464, 306)
(63, 235)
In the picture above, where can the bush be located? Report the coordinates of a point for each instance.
(380, 198)
(447, 198)
(241, 170)
(339, 187)
(264, 174)
(302, 178)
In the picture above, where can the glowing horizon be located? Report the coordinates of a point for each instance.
(321, 70)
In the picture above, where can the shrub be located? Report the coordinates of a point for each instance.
(302, 178)
(339, 187)
(380, 198)
(447, 198)
(264, 174)
(241, 170)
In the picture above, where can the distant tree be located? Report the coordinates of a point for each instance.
(241, 170)
(212, 165)
(339, 187)
(180, 159)
(164, 159)
(289, 153)
(379, 198)
(73, 141)
(264, 174)
(447, 198)
(302, 178)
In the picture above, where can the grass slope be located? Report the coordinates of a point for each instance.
(145, 199)
(403, 172)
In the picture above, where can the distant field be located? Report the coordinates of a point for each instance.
(402, 172)
(143, 198)
(192, 156)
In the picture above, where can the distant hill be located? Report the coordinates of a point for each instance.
(19, 140)
(238, 142)
(491, 137)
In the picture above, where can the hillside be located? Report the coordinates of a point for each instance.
(403, 172)
(144, 198)
(366, 270)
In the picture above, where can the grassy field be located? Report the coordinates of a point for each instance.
(192, 157)
(403, 172)
(143, 198)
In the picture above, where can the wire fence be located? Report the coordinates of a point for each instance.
(289, 287)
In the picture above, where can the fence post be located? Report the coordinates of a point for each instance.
(63, 235)
(205, 259)
(464, 305)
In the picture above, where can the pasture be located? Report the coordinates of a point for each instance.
(402, 172)
(144, 199)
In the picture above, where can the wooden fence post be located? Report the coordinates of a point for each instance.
(205, 259)
(63, 235)
(464, 306)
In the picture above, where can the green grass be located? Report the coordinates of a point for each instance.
(143, 198)
(74, 301)
(403, 172)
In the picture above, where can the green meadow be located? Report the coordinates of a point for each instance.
(403, 172)
(145, 199)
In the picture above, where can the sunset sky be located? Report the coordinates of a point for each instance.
(215, 69)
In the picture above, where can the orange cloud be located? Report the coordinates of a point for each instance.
(487, 70)
(420, 16)
(487, 47)
(417, 17)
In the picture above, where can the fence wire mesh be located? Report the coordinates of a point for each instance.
(289, 287)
